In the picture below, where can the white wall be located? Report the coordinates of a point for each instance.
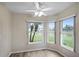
(19, 35)
(73, 10)
(5, 31)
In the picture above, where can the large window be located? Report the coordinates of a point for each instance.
(67, 33)
(35, 32)
(51, 32)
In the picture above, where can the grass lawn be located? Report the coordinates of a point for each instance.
(51, 37)
(67, 38)
(38, 37)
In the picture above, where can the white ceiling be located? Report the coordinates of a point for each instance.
(21, 7)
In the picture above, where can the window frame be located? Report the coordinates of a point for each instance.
(28, 32)
(74, 33)
(54, 32)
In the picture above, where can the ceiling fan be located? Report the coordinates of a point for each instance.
(39, 11)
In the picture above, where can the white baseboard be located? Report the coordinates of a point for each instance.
(57, 52)
(28, 50)
(9, 54)
(62, 53)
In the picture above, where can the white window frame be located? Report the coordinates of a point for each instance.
(44, 32)
(28, 34)
(49, 31)
(68, 48)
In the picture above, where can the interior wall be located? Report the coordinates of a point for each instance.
(77, 29)
(19, 40)
(19, 34)
(5, 31)
(72, 10)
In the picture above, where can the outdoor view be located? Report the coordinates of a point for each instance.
(51, 32)
(67, 33)
(36, 32)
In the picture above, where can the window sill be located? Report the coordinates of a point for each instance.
(68, 48)
(35, 42)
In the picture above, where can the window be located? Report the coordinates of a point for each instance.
(35, 32)
(51, 32)
(67, 33)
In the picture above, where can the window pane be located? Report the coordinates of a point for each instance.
(35, 31)
(51, 32)
(67, 33)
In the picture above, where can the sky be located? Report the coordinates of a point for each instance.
(69, 21)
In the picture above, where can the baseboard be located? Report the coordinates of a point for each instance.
(28, 50)
(57, 52)
(61, 53)
(9, 54)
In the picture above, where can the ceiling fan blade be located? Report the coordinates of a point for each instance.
(47, 9)
(30, 10)
(37, 5)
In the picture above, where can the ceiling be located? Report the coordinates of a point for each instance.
(21, 7)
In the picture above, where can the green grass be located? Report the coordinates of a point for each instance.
(51, 37)
(38, 37)
(67, 38)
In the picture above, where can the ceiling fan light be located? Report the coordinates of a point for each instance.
(36, 13)
(40, 14)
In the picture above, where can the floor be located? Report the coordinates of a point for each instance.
(40, 53)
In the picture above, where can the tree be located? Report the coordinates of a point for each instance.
(67, 28)
(31, 32)
(34, 28)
